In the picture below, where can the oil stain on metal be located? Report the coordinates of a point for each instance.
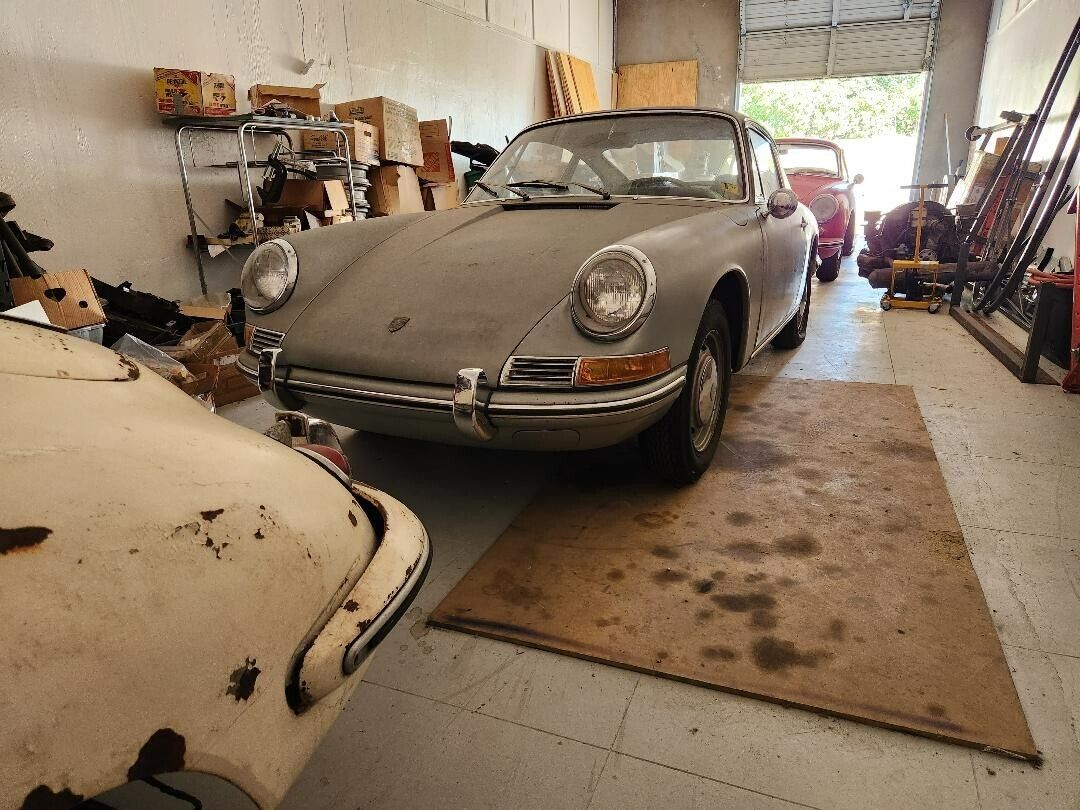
(21, 538)
(162, 753)
(242, 680)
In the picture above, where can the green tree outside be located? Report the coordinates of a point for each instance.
(858, 107)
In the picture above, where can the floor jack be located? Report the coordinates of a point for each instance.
(920, 274)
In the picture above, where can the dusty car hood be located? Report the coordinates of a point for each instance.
(459, 289)
(808, 186)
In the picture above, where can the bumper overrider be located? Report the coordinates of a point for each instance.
(470, 412)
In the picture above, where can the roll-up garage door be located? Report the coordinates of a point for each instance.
(814, 39)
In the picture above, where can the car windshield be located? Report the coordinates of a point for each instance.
(809, 157)
(651, 154)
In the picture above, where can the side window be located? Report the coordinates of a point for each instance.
(768, 174)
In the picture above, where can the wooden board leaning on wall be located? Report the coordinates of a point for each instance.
(572, 86)
(658, 84)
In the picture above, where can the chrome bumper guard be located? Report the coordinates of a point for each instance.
(469, 413)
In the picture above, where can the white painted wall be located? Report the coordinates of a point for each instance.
(1025, 42)
(90, 165)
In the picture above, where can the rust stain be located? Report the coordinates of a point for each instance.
(351, 606)
(352, 518)
(162, 753)
(259, 534)
(242, 680)
(209, 514)
(22, 537)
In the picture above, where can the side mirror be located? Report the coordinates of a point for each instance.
(782, 203)
(857, 178)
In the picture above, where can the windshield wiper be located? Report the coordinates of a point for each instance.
(487, 188)
(603, 192)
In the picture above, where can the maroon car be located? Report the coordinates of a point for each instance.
(818, 174)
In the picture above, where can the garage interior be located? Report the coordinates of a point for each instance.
(871, 598)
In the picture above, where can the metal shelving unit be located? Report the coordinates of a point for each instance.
(244, 128)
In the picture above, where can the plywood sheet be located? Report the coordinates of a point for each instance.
(819, 563)
(585, 83)
(658, 84)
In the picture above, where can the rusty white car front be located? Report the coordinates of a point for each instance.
(179, 593)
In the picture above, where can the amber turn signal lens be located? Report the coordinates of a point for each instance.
(627, 368)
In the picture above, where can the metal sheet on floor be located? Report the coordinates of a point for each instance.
(819, 563)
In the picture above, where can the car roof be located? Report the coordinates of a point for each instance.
(814, 141)
(651, 110)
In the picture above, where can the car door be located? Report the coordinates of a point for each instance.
(783, 243)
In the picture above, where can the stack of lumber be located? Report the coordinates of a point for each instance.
(573, 89)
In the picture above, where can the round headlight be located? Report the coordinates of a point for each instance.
(269, 276)
(824, 207)
(613, 292)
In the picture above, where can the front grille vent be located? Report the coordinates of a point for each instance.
(540, 372)
(264, 339)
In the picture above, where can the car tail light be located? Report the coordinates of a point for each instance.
(621, 369)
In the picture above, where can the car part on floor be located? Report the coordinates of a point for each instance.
(923, 284)
(817, 564)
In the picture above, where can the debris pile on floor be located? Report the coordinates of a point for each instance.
(194, 345)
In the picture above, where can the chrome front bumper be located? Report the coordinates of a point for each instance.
(471, 412)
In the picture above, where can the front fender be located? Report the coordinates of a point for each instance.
(690, 256)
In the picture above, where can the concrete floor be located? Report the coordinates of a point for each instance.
(449, 720)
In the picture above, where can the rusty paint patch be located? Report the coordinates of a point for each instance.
(22, 537)
(209, 514)
(45, 798)
(162, 753)
(351, 606)
(130, 367)
(352, 518)
(242, 680)
(259, 534)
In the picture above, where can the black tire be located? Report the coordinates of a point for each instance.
(849, 235)
(794, 331)
(670, 447)
(829, 268)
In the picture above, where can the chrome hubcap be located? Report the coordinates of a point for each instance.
(705, 396)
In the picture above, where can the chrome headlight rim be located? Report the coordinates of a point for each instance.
(633, 256)
(292, 269)
(824, 198)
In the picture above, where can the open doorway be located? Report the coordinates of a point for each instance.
(875, 119)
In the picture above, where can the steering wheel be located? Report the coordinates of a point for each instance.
(671, 187)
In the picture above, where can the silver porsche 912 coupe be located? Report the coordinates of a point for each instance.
(602, 280)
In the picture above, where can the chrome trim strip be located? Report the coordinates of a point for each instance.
(376, 397)
(586, 408)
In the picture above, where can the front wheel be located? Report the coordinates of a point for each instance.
(829, 268)
(794, 331)
(849, 236)
(680, 447)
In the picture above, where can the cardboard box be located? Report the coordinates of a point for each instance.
(363, 142)
(399, 130)
(205, 94)
(324, 198)
(304, 100)
(67, 297)
(438, 160)
(395, 190)
(440, 196)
